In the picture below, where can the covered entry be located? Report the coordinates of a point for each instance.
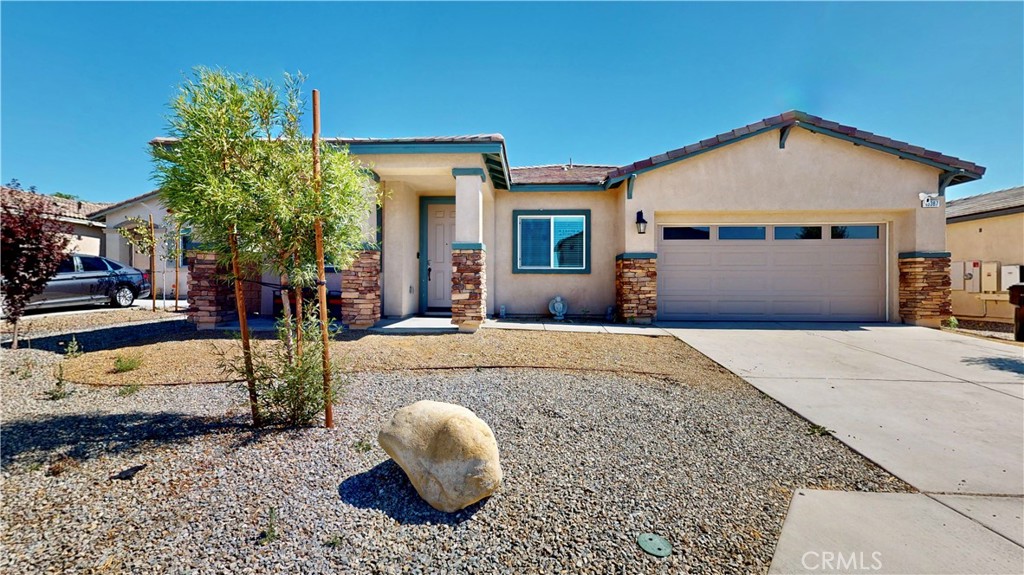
(819, 272)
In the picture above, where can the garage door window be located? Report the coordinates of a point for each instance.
(687, 233)
(741, 232)
(551, 241)
(798, 232)
(855, 232)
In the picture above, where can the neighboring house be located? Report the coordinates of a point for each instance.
(118, 216)
(793, 218)
(87, 236)
(985, 237)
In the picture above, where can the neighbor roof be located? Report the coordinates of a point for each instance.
(560, 174)
(63, 208)
(107, 208)
(998, 203)
(964, 171)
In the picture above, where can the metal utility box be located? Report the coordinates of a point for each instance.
(956, 276)
(965, 275)
(990, 276)
(1009, 275)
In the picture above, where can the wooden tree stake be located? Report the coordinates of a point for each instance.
(321, 272)
(178, 252)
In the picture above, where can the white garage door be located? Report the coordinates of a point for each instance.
(772, 272)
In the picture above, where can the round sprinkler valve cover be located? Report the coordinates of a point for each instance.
(654, 544)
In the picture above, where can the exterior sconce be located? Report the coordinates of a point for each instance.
(641, 223)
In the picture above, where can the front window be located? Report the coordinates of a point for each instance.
(552, 241)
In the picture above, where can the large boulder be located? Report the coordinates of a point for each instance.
(449, 454)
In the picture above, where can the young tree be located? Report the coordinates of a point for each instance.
(32, 245)
(240, 174)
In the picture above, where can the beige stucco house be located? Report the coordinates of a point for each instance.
(119, 215)
(87, 236)
(792, 218)
(985, 238)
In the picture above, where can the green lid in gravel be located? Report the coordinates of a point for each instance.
(654, 544)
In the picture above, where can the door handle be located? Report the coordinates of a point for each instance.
(428, 273)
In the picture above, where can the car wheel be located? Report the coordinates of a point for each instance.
(123, 297)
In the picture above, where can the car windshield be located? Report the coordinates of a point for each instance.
(113, 265)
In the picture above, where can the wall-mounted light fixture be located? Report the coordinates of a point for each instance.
(641, 223)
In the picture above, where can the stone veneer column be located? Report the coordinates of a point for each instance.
(469, 286)
(924, 288)
(636, 287)
(360, 291)
(210, 292)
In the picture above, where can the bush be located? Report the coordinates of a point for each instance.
(951, 323)
(129, 362)
(290, 386)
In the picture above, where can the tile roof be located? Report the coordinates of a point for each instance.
(560, 174)
(1003, 201)
(107, 208)
(62, 207)
(465, 139)
(795, 117)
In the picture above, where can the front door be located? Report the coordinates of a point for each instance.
(440, 234)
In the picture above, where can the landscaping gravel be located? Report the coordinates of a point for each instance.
(989, 329)
(591, 460)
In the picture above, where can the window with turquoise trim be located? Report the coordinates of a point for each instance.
(552, 242)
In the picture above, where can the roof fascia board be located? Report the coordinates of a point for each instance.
(425, 148)
(557, 188)
(618, 179)
(985, 215)
(887, 149)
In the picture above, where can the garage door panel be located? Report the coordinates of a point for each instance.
(795, 280)
(687, 258)
(784, 256)
(742, 308)
(735, 257)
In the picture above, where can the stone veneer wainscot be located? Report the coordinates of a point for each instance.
(469, 288)
(360, 291)
(636, 287)
(925, 288)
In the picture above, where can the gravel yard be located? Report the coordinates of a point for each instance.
(40, 325)
(987, 329)
(591, 459)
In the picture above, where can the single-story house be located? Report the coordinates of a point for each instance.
(985, 237)
(117, 216)
(791, 218)
(87, 236)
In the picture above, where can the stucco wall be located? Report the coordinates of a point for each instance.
(998, 239)
(118, 249)
(401, 242)
(814, 179)
(87, 239)
(530, 293)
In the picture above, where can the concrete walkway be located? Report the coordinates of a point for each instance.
(941, 411)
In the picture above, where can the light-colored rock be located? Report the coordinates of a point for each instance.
(449, 454)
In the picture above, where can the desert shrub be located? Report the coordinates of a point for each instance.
(127, 362)
(290, 384)
(951, 323)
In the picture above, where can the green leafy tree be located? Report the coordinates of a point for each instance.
(240, 173)
(32, 246)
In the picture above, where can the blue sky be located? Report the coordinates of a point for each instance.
(86, 85)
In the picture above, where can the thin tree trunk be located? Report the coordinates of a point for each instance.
(152, 261)
(177, 264)
(14, 334)
(286, 309)
(298, 324)
(243, 323)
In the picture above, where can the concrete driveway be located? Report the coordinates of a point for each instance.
(941, 411)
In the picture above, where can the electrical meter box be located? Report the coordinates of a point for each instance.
(965, 275)
(990, 277)
(1009, 275)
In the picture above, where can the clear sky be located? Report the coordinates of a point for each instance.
(86, 85)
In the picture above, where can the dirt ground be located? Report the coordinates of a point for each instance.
(191, 357)
(34, 324)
